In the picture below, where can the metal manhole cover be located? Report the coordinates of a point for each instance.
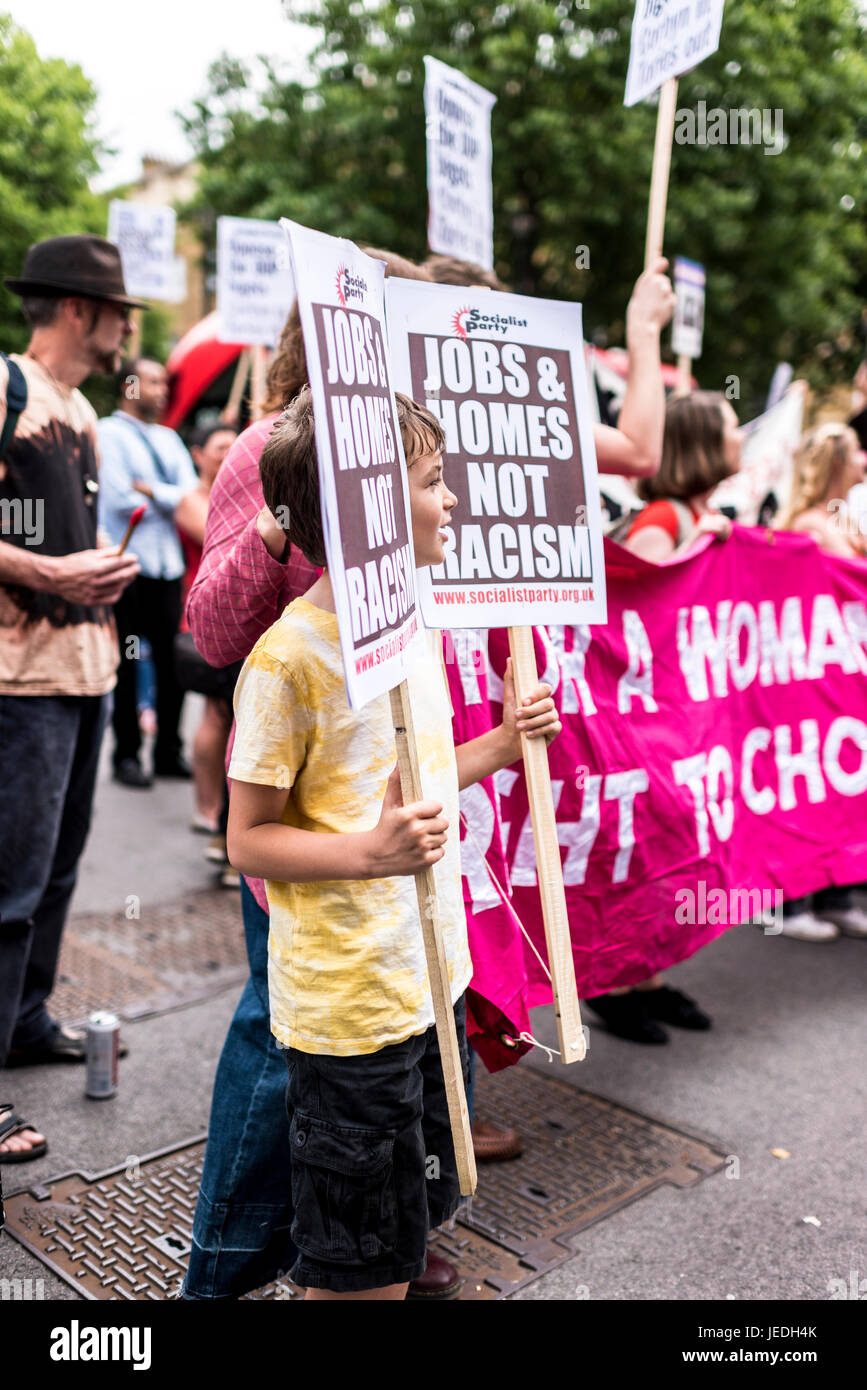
(172, 954)
(584, 1158)
(123, 1234)
(126, 1233)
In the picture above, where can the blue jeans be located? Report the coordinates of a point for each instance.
(244, 1208)
(49, 753)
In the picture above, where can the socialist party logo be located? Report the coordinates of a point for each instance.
(468, 320)
(350, 286)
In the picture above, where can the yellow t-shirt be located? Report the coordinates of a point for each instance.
(346, 966)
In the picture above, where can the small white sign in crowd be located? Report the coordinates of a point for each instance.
(668, 38)
(689, 291)
(458, 123)
(145, 237)
(255, 288)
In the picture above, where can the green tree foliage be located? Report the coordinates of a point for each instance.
(782, 236)
(47, 154)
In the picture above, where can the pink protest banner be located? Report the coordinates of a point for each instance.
(713, 757)
(497, 998)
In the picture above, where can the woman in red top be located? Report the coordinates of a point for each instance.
(701, 446)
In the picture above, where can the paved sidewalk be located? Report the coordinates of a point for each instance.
(783, 1068)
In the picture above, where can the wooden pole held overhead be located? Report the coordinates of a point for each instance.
(661, 167)
(684, 374)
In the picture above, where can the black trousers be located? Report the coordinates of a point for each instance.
(148, 608)
(49, 752)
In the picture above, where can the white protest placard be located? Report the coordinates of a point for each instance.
(669, 37)
(255, 288)
(506, 377)
(460, 196)
(362, 475)
(177, 285)
(767, 466)
(688, 325)
(780, 383)
(145, 237)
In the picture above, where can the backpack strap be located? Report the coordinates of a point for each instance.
(16, 402)
(160, 467)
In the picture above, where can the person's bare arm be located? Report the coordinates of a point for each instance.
(655, 544)
(634, 448)
(651, 543)
(500, 747)
(709, 524)
(86, 577)
(191, 514)
(405, 840)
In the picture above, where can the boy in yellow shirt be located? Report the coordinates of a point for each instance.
(316, 811)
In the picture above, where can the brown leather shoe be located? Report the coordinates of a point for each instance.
(492, 1145)
(440, 1280)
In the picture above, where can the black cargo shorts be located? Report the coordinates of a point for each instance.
(373, 1165)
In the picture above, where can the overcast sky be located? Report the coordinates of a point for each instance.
(146, 60)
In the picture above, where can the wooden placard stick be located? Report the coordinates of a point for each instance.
(437, 968)
(230, 414)
(684, 374)
(661, 165)
(549, 865)
(258, 384)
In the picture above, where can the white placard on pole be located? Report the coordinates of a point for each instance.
(145, 237)
(668, 38)
(255, 288)
(367, 529)
(507, 379)
(362, 474)
(689, 294)
(460, 197)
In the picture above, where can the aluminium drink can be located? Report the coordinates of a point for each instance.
(103, 1038)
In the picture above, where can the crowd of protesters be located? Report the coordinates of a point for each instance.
(205, 577)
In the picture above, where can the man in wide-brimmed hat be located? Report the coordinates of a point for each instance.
(58, 645)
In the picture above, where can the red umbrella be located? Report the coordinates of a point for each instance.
(195, 362)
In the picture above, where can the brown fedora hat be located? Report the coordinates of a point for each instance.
(88, 266)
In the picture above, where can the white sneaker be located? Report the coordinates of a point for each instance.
(805, 927)
(851, 921)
